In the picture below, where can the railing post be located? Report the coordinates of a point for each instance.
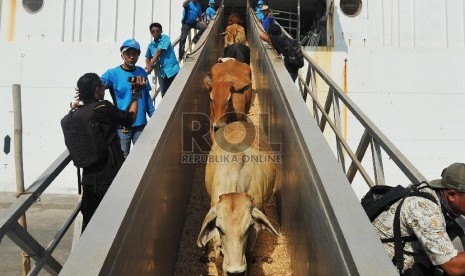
(18, 144)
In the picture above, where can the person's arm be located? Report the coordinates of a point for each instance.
(138, 86)
(199, 13)
(150, 64)
(456, 265)
(133, 107)
(425, 219)
(265, 37)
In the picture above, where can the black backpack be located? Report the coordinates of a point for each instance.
(294, 55)
(379, 199)
(84, 136)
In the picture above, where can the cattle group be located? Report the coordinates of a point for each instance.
(240, 174)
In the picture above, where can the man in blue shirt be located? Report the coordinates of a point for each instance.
(191, 18)
(258, 11)
(268, 18)
(119, 81)
(160, 54)
(210, 12)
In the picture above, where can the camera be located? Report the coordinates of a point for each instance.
(133, 79)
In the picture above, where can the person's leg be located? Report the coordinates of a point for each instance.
(91, 197)
(293, 71)
(201, 27)
(125, 140)
(166, 84)
(163, 85)
(136, 132)
(89, 203)
(182, 40)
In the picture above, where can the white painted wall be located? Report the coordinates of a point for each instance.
(46, 55)
(404, 70)
(404, 61)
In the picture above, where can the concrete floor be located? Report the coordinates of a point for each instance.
(44, 218)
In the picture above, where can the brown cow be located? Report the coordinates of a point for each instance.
(234, 33)
(234, 18)
(230, 86)
(238, 188)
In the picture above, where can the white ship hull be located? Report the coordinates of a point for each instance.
(398, 60)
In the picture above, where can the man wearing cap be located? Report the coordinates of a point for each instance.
(430, 226)
(210, 11)
(118, 80)
(268, 18)
(258, 11)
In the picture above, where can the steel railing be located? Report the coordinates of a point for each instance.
(319, 85)
(9, 225)
(326, 101)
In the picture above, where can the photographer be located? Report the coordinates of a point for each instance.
(427, 226)
(98, 147)
(117, 80)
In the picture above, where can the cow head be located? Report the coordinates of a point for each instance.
(234, 223)
(229, 100)
(234, 18)
(234, 33)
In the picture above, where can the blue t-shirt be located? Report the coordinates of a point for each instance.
(169, 65)
(259, 13)
(210, 12)
(117, 78)
(195, 11)
(267, 21)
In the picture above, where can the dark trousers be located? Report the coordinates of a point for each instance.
(293, 71)
(185, 32)
(165, 83)
(91, 197)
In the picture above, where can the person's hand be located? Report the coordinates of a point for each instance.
(138, 83)
(76, 104)
(148, 69)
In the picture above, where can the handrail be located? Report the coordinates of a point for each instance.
(20, 236)
(372, 134)
(189, 51)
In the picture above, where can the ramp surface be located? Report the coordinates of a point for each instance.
(138, 226)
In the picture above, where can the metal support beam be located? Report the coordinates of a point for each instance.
(33, 248)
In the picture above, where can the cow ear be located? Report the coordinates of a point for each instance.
(208, 230)
(262, 222)
(207, 82)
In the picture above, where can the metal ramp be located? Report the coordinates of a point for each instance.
(137, 228)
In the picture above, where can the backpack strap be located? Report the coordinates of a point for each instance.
(113, 96)
(399, 242)
(79, 180)
(398, 258)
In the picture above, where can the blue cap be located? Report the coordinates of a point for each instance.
(130, 43)
(211, 2)
(260, 2)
